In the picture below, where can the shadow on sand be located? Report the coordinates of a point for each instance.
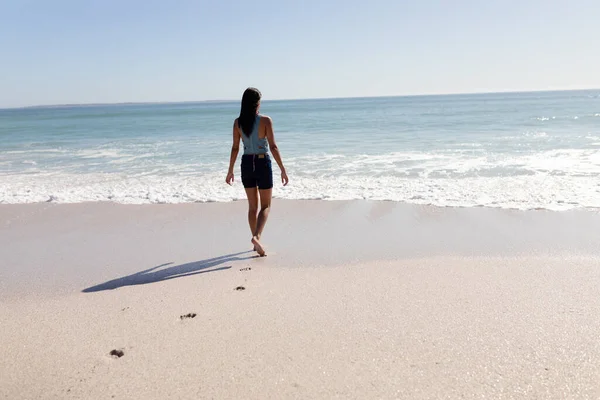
(151, 275)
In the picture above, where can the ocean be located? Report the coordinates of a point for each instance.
(510, 150)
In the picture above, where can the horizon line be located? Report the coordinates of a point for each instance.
(131, 103)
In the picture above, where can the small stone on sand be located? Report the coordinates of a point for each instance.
(117, 353)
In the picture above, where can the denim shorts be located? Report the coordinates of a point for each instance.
(257, 171)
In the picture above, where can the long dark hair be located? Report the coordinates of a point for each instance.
(250, 102)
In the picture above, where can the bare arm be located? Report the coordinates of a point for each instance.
(235, 149)
(275, 150)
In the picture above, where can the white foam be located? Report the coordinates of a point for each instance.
(554, 179)
(554, 192)
(100, 153)
(538, 135)
(60, 151)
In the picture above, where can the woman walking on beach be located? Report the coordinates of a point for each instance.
(256, 133)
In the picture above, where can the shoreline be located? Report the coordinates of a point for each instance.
(44, 240)
(52, 202)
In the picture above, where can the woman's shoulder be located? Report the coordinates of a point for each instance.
(265, 119)
(236, 126)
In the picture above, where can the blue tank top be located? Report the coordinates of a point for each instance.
(252, 143)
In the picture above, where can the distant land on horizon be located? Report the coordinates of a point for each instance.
(134, 103)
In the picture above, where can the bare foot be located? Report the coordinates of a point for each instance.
(258, 247)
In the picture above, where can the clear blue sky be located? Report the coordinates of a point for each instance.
(95, 51)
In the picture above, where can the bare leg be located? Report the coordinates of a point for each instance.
(252, 195)
(263, 215)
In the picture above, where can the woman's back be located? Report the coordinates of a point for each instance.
(253, 143)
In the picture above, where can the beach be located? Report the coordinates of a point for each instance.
(356, 299)
(432, 173)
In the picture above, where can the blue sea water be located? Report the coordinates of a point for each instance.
(510, 150)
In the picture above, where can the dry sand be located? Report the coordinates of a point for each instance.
(356, 300)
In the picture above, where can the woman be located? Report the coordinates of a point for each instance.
(256, 132)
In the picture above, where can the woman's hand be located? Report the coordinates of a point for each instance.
(284, 178)
(229, 178)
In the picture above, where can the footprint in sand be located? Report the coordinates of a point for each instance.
(186, 316)
(240, 288)
(117, 353)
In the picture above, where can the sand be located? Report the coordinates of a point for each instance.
(355, 300)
